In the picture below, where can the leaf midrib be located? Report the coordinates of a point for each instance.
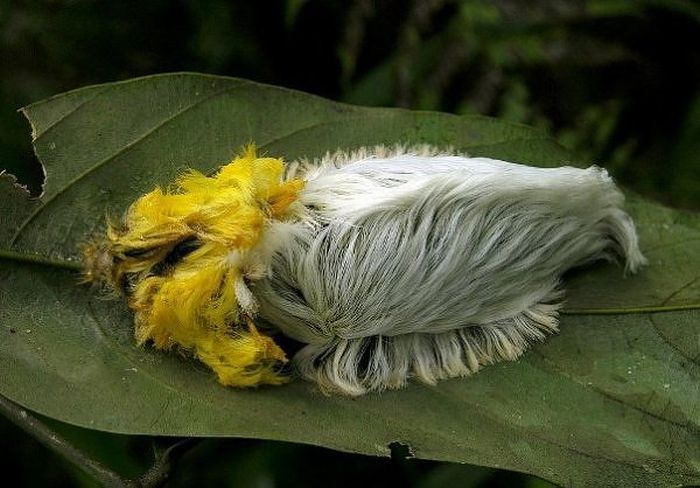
(77, 266)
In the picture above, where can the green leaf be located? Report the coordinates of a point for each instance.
(611, 400)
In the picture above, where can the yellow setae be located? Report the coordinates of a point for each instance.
(183, 256)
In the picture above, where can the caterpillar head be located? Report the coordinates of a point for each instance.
(184, 257)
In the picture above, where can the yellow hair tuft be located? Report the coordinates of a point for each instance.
(180, 253)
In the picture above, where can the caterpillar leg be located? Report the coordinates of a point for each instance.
(375, 363)
(243, 359)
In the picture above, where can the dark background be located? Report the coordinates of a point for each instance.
(617, 81)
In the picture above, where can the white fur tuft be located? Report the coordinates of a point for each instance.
(417, 263)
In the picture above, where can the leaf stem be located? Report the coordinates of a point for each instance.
(154, 476)
(164, 463)
(42, 433)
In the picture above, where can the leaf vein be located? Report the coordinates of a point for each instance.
(673, 346)
(164, 122)
(608, 396)
(63, 117)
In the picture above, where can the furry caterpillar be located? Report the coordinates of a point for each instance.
(385, 264)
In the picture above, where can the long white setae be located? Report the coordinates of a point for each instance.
(418, 263)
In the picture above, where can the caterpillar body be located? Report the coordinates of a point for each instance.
(382, 264)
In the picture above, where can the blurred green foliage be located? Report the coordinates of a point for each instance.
(617, 81)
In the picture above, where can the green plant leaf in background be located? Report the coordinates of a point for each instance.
(612, 400)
